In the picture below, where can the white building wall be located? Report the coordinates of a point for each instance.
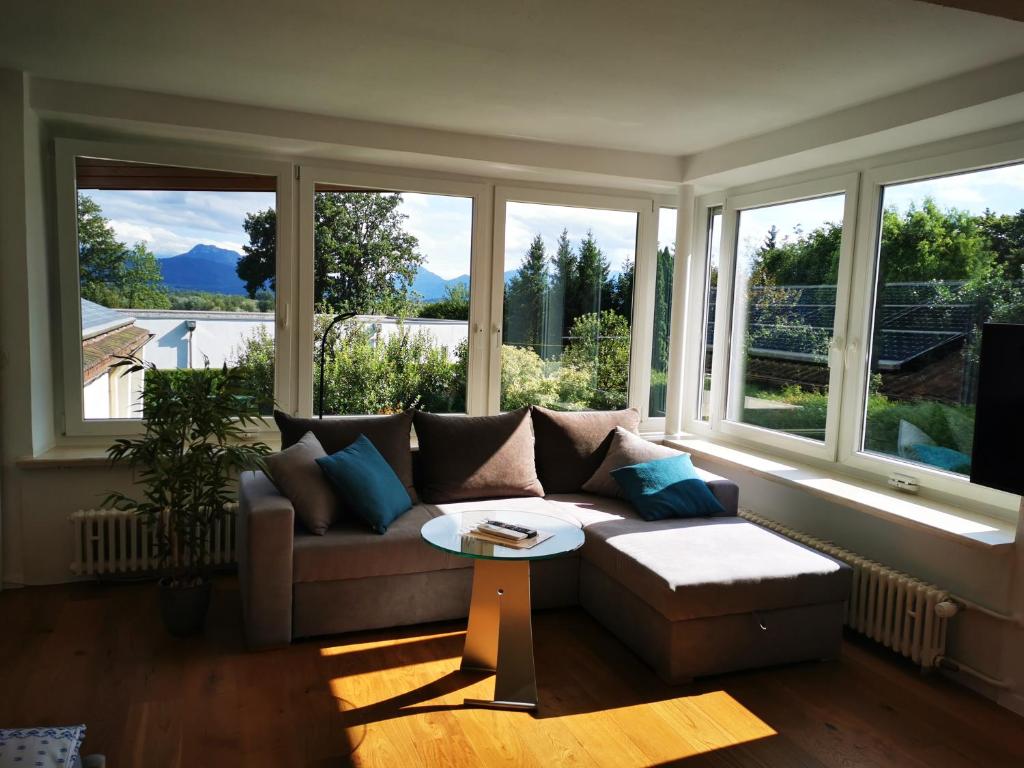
(96, 398)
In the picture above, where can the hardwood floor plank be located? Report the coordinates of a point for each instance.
(97, 654)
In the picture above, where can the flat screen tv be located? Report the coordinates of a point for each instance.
(997, 457)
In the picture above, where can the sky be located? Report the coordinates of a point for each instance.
(170, 223)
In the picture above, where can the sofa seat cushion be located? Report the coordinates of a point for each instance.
(690, 568)
(351, 551)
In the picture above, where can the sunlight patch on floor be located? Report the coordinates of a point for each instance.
(341, 650)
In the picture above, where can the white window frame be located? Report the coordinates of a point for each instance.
(479, 279)
(725, 383)
(649, 423)
(644, 276)
(858, 361)
(697, 298)
(71, 406)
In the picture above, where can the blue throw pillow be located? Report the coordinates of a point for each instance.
(666, 488)
(367, 483)
(943, 458)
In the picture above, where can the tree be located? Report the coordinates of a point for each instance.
(364, 260)
(811, 259)
(525, 298)
(454, 305)
(927, 243)
(111, 273)
(564, 277)
(600, 348)
(620, 291)
(662, 308)
(590, 290)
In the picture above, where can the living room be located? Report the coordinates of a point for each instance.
(717, 304)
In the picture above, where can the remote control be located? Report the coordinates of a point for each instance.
(501, 531)
(527, 532)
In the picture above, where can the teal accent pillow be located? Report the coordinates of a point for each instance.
(666, 488)
(942, 458)
(367, 483)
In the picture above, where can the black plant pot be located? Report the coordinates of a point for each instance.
(183, 609)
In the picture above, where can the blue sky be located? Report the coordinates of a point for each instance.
(170, 223)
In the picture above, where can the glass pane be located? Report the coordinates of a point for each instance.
(176, 267)
(786, 270)
(395, 267)
(950, 258)
(568, 307)
(712, 249)
(666, 259)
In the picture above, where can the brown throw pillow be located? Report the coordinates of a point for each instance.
(297, 475)
(572, 445)
(390, 435)
(626, 449)
(475, 457)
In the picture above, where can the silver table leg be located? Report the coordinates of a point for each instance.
(499, 637)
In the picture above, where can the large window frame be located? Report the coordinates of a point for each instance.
(71, 400)
(642, 328)
(479, 276)
(726, 388)
(852, 454)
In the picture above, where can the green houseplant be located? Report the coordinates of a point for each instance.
(186, 461)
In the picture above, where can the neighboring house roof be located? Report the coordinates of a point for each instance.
(106, 335)
(914, 319)
(97, 319)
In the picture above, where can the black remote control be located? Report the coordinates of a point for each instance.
(527, 532)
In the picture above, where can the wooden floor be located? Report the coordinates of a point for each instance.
(97, 654)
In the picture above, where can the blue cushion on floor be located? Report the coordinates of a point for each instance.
(367, 484)
(666, 488)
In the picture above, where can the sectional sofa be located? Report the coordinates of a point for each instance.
(690, 596)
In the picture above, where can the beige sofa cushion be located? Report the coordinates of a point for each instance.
(297, 475)
(690, 568)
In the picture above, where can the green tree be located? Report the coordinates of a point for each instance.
(525, 299)
(928, 243)
(600, 348)
(1005, 235)
(619, 293)
(564, 277)
(590, 291)
(454, 305)
(364, 261)
(811, 259)
(111, 273)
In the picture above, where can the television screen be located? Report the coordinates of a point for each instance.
(997, 458)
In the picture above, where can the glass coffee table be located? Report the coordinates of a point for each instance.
(499, 636)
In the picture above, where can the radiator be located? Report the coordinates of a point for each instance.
(108, 541)
(895, 609)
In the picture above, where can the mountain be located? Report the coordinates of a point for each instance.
(431, 286)
(203, 268)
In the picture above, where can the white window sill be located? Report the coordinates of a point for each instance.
(936, 517)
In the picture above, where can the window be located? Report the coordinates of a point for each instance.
(709, 296)
(395, 266)
(174, 268)
(787, 270)
(567, 306)
(664, 270)
(950, 254)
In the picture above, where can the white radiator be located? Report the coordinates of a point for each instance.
(901, 612)
(108, 541)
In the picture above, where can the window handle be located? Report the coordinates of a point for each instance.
(282, 315)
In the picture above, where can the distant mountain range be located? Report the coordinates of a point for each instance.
(212, 269)
(204, 268)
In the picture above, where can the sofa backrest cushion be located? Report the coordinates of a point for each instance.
(626, 448)
(475, 457)
(571, 445)
(298, 477)
(389, 434)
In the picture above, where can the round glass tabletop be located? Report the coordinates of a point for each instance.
(452, 534)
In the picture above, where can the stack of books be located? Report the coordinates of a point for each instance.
(507, 534)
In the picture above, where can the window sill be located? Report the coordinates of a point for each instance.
(95, 455)
(933, 516)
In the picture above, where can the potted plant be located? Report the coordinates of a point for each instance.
(186, 462)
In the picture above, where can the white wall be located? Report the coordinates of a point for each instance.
(96, 398)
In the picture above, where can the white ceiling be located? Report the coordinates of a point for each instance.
(664, 76)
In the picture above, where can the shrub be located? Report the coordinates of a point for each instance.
(523, 379)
